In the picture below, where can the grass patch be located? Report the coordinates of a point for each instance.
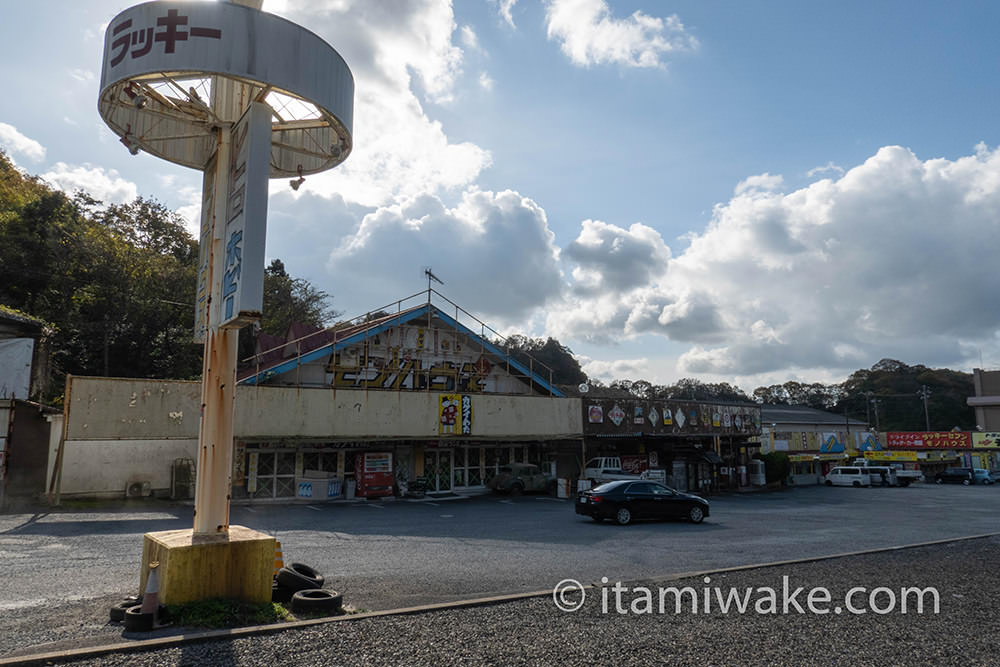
(225, 613)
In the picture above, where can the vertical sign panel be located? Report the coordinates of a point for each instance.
(246, 218)
(204, 252)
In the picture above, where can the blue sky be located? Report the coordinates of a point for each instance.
(748, 192)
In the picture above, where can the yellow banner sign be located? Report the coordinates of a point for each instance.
(891, 456)
(986, 440)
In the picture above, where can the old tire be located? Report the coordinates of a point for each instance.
(136, 621)
(696, 514)
(299, 577)
(316, 599)
(281, 594)
(117, 612)
(623, 516)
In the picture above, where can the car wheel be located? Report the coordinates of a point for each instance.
(856, 485)
(829, 483)
(965, 482)
(517, 489)
(696, 514)
(623, 516)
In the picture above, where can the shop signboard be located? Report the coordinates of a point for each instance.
(890, 456)
(929, 440)
(986, 440)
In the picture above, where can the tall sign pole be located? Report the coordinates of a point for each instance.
(242, 96)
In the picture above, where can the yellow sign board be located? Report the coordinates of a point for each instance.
(891, 456)
(986, 440)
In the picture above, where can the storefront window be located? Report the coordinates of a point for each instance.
(328, 461)
(274, 476)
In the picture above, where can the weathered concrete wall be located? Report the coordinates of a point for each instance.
(117, 409)
(121, 431)
(124, 409)
(106, 467)
(269, 412)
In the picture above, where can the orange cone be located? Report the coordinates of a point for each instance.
(151, 597)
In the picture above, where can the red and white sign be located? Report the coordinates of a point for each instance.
(929, 440)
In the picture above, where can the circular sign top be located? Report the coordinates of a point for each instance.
(174, 72)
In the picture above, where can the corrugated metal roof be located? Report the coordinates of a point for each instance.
(803, 414)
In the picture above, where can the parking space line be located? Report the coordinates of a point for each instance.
(381, 507)
(314, 508)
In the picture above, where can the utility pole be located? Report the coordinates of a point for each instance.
(868, 409)
(875, 403)
(924, 394)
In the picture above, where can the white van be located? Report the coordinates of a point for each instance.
(848, 476)
(881, 475)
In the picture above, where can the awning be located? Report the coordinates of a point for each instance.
(711, 457)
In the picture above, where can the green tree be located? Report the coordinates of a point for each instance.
(564, 366)
(288, 299)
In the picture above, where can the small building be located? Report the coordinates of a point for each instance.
(699, 446)
(985, 452)
(365, 407)
(25, 425)
(815, 440)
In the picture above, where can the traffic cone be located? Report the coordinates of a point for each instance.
(151, 597)
(279, 561)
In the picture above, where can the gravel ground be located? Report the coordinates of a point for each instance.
(535, 632)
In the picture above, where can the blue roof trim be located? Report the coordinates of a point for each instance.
(320, 352)
(495, 351)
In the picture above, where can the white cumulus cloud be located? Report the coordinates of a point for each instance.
(892, 259)
(15, 142)
(589, 35)
(105, 185)
(403, 56)
(494, 252)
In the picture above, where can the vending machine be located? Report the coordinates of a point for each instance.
(373, 471)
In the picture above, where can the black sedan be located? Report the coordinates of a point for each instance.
(954, 476)
(625, 501)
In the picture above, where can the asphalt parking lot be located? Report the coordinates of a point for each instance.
(385, 555)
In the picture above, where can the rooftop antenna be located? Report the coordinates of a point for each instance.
(430, 276)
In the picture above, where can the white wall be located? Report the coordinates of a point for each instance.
(123, 430)
(106, 467)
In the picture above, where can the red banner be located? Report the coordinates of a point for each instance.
(929, 440)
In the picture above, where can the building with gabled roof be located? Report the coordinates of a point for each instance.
(468, 402)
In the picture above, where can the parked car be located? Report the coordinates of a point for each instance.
(606, 469)
(848, 476)
(517, 478)
(982, 476)
(954, 476)
(625, 501)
